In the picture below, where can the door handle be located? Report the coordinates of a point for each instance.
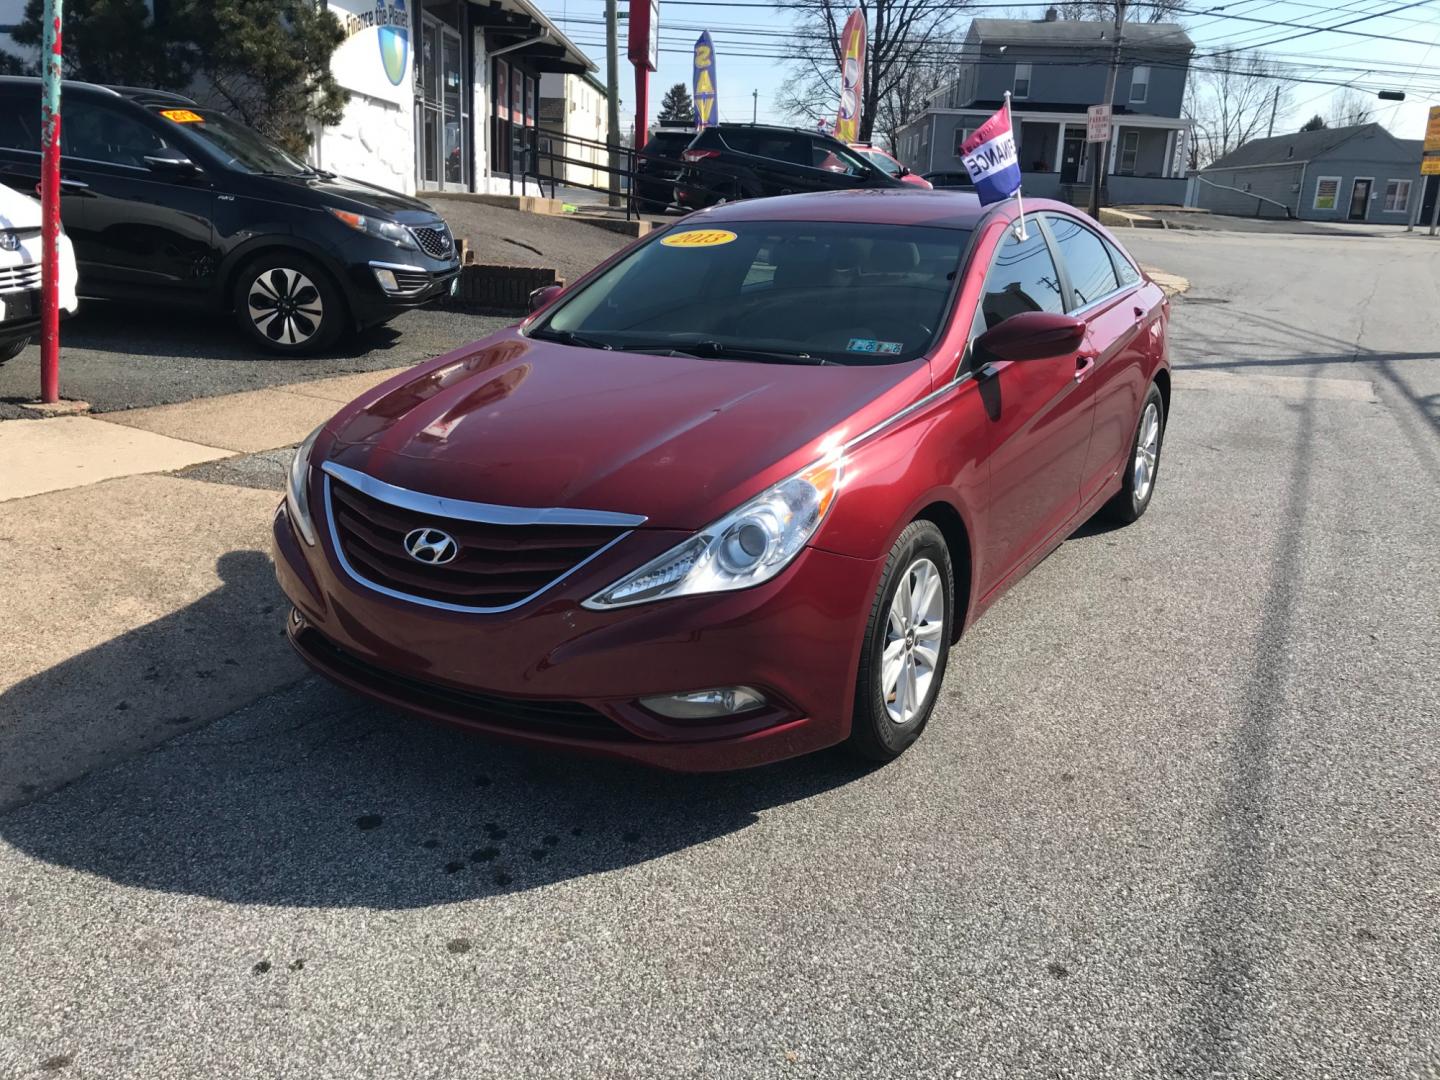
(1084, 364)
(74, 185)
(1139, 312)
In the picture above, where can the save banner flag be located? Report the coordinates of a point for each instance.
(707, 114)
(990, 159)
(852, 78)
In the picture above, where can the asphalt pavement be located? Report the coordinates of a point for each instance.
(1175, 816)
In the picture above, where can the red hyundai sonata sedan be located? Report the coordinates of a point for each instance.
(733, 496)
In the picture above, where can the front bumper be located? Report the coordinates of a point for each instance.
(552, 673)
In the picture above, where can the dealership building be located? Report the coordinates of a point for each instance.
(444, 94)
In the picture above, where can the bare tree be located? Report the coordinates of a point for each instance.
(1151, 11)
(911, 93)
(1231, 103)
(908, 41)
(1349, 107)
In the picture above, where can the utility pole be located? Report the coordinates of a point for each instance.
(612, 105)
(50, 207)
(1101, 155)
(754, 105)
(1274, 104)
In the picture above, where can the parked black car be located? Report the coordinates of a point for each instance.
(950, 180)
(657, 166)
(749, 161)
(167, 201)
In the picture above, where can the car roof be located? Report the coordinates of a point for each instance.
(139, 94)
(881, 206)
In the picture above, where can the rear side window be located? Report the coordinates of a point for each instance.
(20, 121)
(1092, 275)
(769, 144)
(1022, 278)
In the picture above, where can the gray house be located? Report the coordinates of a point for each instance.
(1360, 173)
(1055, 69)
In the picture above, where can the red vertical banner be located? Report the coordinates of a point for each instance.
(644, 52)
(852, 78)
(502, 89)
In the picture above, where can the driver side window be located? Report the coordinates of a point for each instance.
(96, 133)
(1022, 278)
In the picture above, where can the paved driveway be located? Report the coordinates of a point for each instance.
(1175, 816)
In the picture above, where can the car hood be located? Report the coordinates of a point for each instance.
(519, 422)
(360, 197)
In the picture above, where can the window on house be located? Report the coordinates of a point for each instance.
(1397, 196)
(1021, 89)
(1327, 190)
(1129, 152)
(1140, 85)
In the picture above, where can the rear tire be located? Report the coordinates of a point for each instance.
(12, 350)
(1143, 466)
(288, 303)
(907, 643)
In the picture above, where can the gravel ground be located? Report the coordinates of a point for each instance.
(1175, 815)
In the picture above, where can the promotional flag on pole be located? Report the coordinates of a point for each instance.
(703, 83)
(852, 78)
(990, 159)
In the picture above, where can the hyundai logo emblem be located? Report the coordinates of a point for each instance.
(431, 546)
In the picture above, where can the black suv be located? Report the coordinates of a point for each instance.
(166, 201)
(750, 161)
(657, 165)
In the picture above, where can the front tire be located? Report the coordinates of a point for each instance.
(907, 643)
(1138, 486)
(12, 350)
(288, 303)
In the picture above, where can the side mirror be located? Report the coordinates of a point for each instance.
(1032, 335)
(903, 171)
(544, 295)
(172, 161)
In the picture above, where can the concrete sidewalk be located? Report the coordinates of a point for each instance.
(73, 451)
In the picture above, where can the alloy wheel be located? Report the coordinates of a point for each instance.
(913, 640)
(285, 306)
(1147, 451)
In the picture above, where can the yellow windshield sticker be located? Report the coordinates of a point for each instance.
(699, 238)
(182, 116)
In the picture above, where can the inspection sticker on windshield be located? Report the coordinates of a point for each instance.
(870, 345)
(182, 116)
(699, 238)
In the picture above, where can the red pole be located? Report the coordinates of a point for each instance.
(50, 208)
(642, 106)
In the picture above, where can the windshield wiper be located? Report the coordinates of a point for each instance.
(569, 337)
(715, 350)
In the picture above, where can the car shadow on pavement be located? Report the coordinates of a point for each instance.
(122, 328)
(313, 797)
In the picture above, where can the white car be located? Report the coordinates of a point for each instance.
(20, 255)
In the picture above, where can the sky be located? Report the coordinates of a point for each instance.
(1409, 40)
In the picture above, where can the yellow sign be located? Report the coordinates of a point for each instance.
(1432, 129)
(1430, 165)
(699, 238)
(182, 116)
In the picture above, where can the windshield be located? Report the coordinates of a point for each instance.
(838, 292)
(240, 146)
(883, 161)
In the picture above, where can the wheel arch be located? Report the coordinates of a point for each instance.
(261, 246)
(945, 517)
(1162, 383)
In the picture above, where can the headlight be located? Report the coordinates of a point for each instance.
(295, 498)
(746, 547)
(386, 230)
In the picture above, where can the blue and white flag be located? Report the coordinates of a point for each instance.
(990, 159)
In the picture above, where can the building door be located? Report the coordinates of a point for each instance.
(444, 112)
(1070, 156)
(1360, 199)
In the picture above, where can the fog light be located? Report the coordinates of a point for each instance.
(387, 281)
(706, 704)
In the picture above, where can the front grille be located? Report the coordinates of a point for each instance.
(434, 241)
(498, 566)
(20, 278)
(411, 280)
(520, 714)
